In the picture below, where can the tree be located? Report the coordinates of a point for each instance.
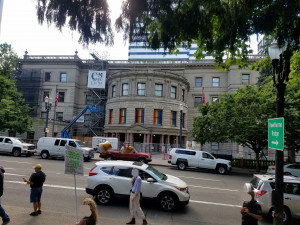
(220, 28)
(241, 117)
(14, 115)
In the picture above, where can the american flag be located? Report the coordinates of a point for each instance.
(56, 99)
(203, 98)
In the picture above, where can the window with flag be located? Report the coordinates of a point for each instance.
(141, 88)
(198, 82)
(122, 116)
(173, 119)
(157, 120)
(139, 115)
(125, 89)
(61, 96)
(198, 101)
(111, 113)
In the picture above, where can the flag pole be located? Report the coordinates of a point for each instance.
(54, 113)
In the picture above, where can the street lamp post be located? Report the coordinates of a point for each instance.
(180, 136)
(280, 72)
(48, 104)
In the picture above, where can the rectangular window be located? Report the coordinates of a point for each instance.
(173, 92)
(63, 77)
(46, 94)
(173, 119)
(59, 116)
(113, 89)
(89, 99)
(215, 99)
(111, 113)
(122, 116)
(198, 82)
(43, 115)
(139, 115)
(216, 82)
(88, 119)
(61, 96)
(141, 89)
(125, 89)
(214, 146)
(182, 96)
(158, 90)
(47, 76)
(157, 119)
(245, 78)
(198, 101)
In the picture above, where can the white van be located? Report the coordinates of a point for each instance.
(56, 147)
(113, 141)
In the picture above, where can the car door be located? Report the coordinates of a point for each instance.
(296, 200)
(55, 148)
(292, 197)
(62, 147)
(121, 180)
(207, 161)
(8, 145)
(149, 189)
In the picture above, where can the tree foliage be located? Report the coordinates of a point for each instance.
(14, 115)
(221, 28)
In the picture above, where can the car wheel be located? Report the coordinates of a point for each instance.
(16, 152)
(103, 195)
(109, 157)
(286, 215)
(181, 165)
(143, 160)
(44, 155)
(221, 169)
(287, 173)
(168, 201)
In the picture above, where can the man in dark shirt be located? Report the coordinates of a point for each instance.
(251, 211)
(36, 182)
(3, 215)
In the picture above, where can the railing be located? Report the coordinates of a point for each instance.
(251, 163)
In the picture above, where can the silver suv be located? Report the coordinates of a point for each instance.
(264, 185)
(110, 179)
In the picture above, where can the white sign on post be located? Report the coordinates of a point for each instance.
(96, 79)
(73, 161)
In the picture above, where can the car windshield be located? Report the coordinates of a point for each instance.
(19, 140)
(154, 172)
(80, 144)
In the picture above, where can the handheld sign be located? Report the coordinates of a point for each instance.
(73, 161)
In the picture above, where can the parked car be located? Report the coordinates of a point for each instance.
(184, 158)
(264, 185)
(132, 156)
(56, 147)
(108, 179)
(16, 146)
(288, 169)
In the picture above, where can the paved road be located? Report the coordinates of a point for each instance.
(215, 199)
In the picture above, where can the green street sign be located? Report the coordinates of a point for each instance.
(276, 133)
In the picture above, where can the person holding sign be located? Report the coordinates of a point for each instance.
(36, 182)
(93, 218)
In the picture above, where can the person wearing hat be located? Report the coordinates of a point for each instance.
(36, 182)
(4, 216)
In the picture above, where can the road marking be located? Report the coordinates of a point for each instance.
(17, 162)
(83, 189)
(12, 174)
(221, 189)
(215, 203)
(198, 178)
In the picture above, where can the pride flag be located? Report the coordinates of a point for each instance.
(140, 116)
(157, 117)
(122, 115)
(173, 119)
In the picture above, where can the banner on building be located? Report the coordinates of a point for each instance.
(96, 79)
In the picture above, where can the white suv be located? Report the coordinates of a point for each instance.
(113, 178)
(16, 146)
(264, 185)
